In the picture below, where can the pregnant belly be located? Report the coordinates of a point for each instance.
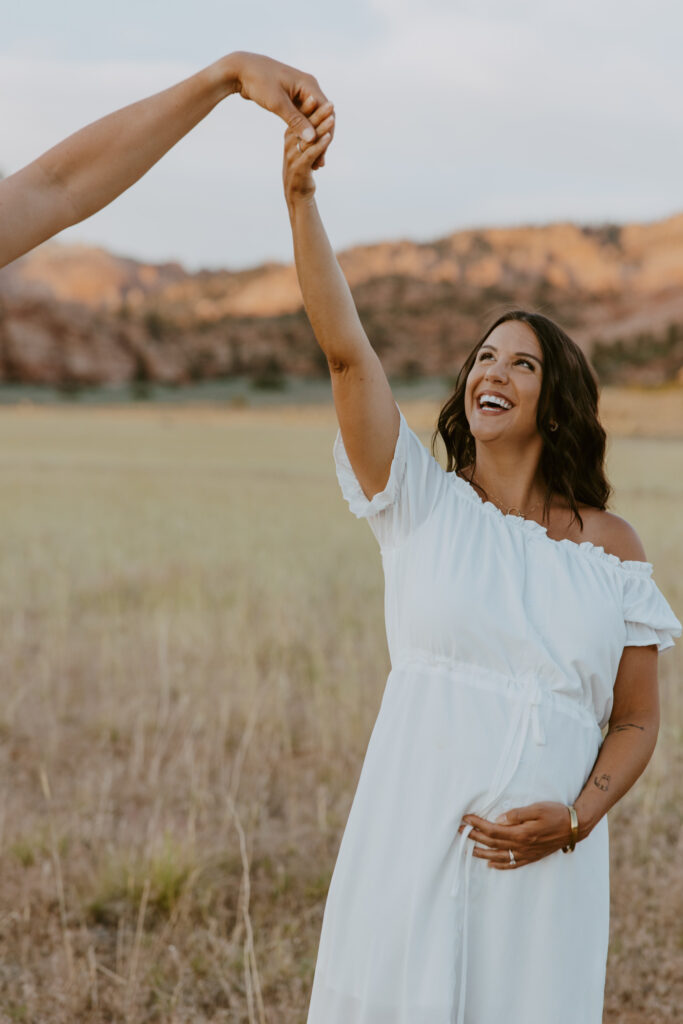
(444, 745)
(441, 746)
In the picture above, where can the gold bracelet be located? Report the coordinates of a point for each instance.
(574, 818)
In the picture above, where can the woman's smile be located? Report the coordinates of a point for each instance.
(486, 411)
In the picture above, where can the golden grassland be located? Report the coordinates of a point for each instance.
(193, 657)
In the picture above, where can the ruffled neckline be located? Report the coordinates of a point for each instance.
(533, 529)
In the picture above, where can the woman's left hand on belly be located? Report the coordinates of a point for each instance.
(531, 833)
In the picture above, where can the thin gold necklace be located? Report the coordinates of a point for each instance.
(512, 509)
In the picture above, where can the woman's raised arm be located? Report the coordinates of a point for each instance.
(87, 170)
(367, 413)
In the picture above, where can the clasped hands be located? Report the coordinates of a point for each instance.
(302, 158)
(531, 832)
(288, 92)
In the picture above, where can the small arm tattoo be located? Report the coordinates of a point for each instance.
(627, 725)
(602, 782)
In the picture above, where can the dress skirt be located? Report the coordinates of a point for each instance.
(418, 931)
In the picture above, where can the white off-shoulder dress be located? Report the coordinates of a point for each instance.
(504, 648)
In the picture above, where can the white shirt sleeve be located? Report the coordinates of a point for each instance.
(648, 616)
(415, 483)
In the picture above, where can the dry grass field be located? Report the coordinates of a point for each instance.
(192, 657)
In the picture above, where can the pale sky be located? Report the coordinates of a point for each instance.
(450, 114)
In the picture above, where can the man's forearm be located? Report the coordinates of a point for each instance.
(624, 754)
(90, 168)
(93, 166)
(99, 162)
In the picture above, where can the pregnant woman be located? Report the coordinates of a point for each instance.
(471, 884)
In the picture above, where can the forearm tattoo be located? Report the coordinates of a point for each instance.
(602, 781)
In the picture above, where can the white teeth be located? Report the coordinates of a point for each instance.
(497, 399)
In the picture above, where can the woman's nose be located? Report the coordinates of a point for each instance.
(495, 372)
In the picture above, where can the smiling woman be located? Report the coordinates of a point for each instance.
(522, 618)
(551, 434)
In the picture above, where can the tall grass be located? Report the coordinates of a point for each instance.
(193, 656)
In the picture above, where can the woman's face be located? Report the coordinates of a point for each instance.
(510, 364)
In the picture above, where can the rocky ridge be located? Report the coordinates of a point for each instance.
(74, 315)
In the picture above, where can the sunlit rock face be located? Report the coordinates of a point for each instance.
(84, 315)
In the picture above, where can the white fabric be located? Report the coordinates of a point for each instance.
(504, 648)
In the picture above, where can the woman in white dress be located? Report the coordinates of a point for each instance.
(472, 880)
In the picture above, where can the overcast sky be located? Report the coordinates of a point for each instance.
(450, 114)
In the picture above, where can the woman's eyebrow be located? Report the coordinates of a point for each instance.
(529, 354)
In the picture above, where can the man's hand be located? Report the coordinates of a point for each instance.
(281, 89)
(530, 832)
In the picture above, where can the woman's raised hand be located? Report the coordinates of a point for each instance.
(302, 158)
(368, 415)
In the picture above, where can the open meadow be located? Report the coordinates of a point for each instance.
(192, 658)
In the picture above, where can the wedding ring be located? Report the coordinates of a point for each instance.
(512, 857)
(298, 145)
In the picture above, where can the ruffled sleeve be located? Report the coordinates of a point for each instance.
(415, 481)
(648, 616)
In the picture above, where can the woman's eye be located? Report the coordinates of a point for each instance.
(526, 362)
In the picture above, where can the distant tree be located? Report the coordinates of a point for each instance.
(613, 360)
(71, 389)
(140, 384)
(411, 370)
(155, 324)
(674, 333)
(270, 375)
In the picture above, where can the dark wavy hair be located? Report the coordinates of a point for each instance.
(572, 457)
